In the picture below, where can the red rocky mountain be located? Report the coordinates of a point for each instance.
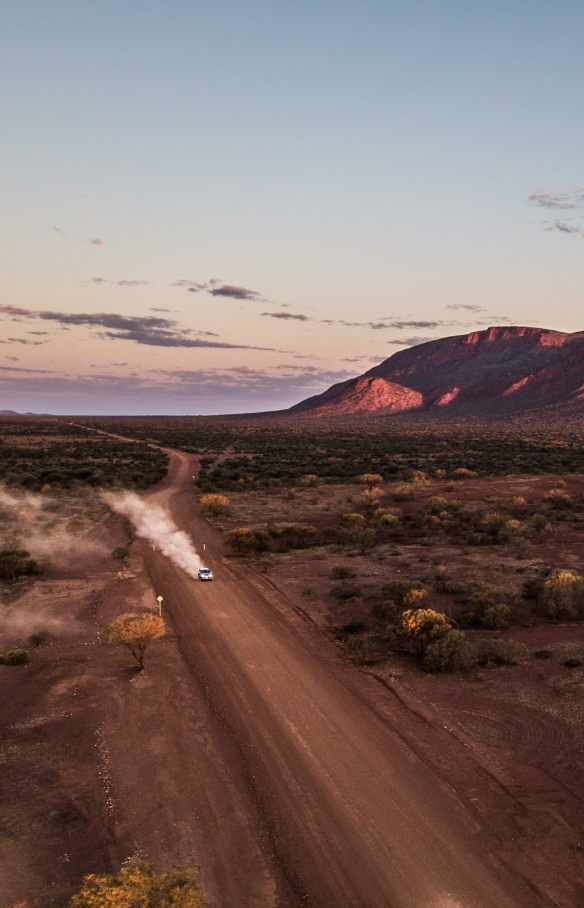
(498, 370)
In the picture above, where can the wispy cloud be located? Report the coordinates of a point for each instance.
(122, 283)
(411, 341)
(563, 228)
(30, 371)
(149, 330)
(21, 340)
(288, 316)
(59, 231)
(563, 199)
(95, 241)
(236, 293)
(192, 286)
(466, 306)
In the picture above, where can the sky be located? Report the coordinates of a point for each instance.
(225, 206)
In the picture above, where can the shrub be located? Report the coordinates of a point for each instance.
(214, 505)
(463, 473)
(136, 632)
(421, 627)
(139, 884)
(558, 500)
(450, 653)
(539, 522)
(15, 563)
(371, 479)
(39, 639)
(496, 617)
(296, 536)
(543, 654)
(441, 578)
(353, 627)
(361, 649)
(346, 592)
(386, 610)
(352, 520)
(342, 573)
(15, 657)
(397, 590)
(246, 542)
(573, 663)
(500, 652)
(403, 492)
(389, 521)
(558, 593)
(309, 479)
(120, 552)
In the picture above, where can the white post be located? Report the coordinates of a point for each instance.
(159, 600)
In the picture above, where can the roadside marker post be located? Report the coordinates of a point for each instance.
(159, 600)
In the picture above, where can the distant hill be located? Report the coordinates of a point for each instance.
(501, 369)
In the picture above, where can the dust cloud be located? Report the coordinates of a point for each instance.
(51, 529)
(152, 523)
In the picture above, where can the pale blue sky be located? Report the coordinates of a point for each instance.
(357, 167)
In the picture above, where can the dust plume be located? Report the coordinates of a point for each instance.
(152, 523)
(51, 528)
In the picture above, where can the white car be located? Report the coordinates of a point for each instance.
(205, 574)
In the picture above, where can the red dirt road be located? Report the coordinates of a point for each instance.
(331, 806)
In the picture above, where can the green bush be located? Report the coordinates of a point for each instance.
(361, 649)
(39, 639)
(15, 563)
(385, 610)
(496, 617)
(450, 653)
(15, 657)
(500, 652)
(120, 552)
(346, 592)
(397, 590)
(342, 573)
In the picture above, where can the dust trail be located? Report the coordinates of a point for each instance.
(151, 522)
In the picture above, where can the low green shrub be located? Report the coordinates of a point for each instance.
(500, 652)
(450, 653)
(39, 639)
(14, 657)
(361, 649)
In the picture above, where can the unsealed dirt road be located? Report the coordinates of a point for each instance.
(331, 805)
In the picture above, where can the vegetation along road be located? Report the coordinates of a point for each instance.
(331, 803)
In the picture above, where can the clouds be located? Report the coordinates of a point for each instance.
(563, 228)
(122, 283)
(411, 341)
(545, 197)
(95, 241)
(151, 331)
(235, 389)
(236, 293)
(288, 316)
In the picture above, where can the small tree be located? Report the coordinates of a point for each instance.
(16, 562)
(352, 520)
(136, 632)
(371, 479)
(450, 653)
(243, 541)
(138, 885)
(558, 594)
(421, 627)
(214, 505)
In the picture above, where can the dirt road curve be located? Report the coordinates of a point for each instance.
(331, 808)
